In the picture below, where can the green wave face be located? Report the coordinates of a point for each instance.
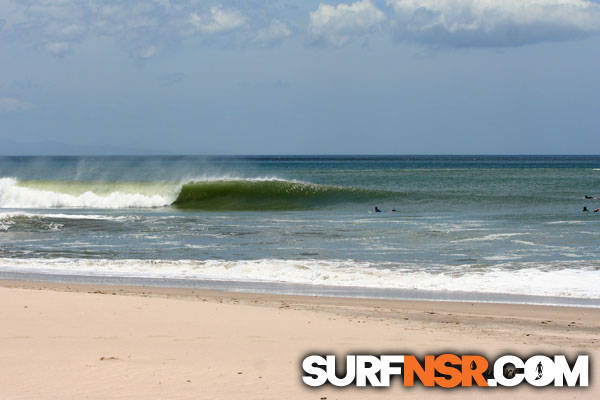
(243, 195)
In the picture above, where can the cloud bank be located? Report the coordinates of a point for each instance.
(493, 22)
(143, 27)
(146, 27)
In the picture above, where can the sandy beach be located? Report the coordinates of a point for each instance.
(68, 341)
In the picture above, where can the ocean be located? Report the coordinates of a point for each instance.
(456, 227)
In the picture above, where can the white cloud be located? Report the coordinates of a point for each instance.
(219, 20)
(58, 49)
(275, 32)
(147, 52)
(493, 22)
(8, 104)
(337, 25)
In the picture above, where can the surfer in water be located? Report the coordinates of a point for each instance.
(585, 209)
(377, 209)
(588, 197)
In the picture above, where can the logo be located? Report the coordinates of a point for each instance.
(445, 370)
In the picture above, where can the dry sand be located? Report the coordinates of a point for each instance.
(66, 341)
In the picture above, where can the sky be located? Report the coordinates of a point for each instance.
(300, 77)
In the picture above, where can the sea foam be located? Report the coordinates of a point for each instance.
(13, 194)
(576, 279)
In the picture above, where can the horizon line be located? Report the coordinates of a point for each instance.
(310, 155)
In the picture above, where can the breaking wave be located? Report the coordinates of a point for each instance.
(73, 194)
(210, 194)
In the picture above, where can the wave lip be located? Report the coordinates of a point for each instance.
(272, 194)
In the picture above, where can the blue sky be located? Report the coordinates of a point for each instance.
(300, 77)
